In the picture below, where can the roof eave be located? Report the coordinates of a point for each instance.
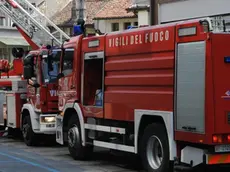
(137, 8)
(117, 17)
(167, 1)
(71, 25)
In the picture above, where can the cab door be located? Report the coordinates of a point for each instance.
(49, 88)
(66, 83)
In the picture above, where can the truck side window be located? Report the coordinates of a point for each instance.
(36, 70)
(68, 62)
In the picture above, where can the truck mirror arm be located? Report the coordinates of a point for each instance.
(60, 75)
(33, 84)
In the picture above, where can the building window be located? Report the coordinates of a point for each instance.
(126, 25)
(4, 54)
(2, 21)
(115, 27)
(135, 23)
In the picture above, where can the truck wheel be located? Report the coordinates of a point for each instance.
(28, 135)
(155, 149)
(77, 151)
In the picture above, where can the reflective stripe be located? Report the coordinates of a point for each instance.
(218, 159)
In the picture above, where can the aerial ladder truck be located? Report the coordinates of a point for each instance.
(32, 103)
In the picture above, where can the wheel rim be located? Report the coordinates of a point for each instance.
(73, 136)
(154, 152)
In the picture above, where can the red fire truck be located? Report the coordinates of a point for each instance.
(161, 92)
(32, 103)
(7, 75)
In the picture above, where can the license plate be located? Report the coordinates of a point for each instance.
(222, 148)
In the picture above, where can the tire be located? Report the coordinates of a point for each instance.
(76, 150)
(30, 138)
(155, 133)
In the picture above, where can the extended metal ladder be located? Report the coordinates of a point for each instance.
(33, 22)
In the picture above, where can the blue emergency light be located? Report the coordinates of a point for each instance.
(77, 30)
(99, 98)
(227, 59)
(132, 27)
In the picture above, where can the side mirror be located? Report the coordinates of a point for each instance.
(28, 72)
(17, 52)
(36, 85)
(60, 75)
(33, 83)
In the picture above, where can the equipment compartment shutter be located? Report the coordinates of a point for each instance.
(11, 111)
(2, 101)
(190, 87)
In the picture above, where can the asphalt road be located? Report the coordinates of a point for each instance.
(16, 156)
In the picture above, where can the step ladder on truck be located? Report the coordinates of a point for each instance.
(31, 105)
(154, 91)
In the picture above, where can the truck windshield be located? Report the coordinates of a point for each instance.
(51, 77)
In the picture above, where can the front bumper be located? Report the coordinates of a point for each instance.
(59, 129)
(48, 124)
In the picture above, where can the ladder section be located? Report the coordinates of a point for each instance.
(218, 24)
(33, 22)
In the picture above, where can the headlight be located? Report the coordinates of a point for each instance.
(48, 119)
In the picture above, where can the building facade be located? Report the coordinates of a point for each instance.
(115, 17)
(9, 38)
(106, 25)
(142, 9)
(67, 16)
(101, 15)
(50, 7)
(177, 10)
